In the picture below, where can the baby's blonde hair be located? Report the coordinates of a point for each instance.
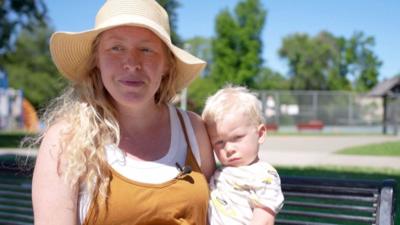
(237, 99)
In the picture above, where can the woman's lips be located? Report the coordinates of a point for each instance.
(132, 83)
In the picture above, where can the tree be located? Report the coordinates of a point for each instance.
(170, 6)
(201, 47)
(362, 61)
(30, 67)
(224, 45)
(18, 14)
(199, 90)
(326, 62)
(268, 79)
(237, 45)
(203, 86)
(307, 61)
(251, 19)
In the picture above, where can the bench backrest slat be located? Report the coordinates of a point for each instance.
(16, 216)
(15, 198)
(291, 222)
(314, 200)
(371, 209)
(342, 217)
(332, 189)
(330, 196)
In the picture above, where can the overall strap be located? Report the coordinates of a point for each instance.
(183, 128)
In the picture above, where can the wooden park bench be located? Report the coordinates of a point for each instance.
(272, 127)
(308, 200)
(310, 125)
(15, 194)
(327, 201)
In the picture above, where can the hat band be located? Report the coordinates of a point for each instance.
(125, 19)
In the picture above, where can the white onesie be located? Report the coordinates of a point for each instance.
(236, 191)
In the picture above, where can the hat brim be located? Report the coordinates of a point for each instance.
(70, 52)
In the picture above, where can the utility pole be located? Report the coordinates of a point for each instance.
(183, 97)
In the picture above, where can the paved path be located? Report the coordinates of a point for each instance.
(311, 151)
(319, 150)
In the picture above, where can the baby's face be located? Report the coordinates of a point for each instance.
(236, 139)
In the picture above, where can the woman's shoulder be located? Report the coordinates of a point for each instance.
(56, 129)
(207, 158)
(52, 137)
(195, 119)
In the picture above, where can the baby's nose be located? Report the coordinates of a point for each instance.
(229, 149)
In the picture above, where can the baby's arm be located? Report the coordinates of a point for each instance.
(268, 197)
(263, 216)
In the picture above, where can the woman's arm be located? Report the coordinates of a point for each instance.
(203, 140)
(54, 201)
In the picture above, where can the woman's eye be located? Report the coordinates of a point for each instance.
(117, 48)
(146, 50)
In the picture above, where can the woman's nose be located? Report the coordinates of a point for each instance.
(132, 62)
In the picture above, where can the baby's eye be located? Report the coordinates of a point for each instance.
(238, 137)
(219, 143)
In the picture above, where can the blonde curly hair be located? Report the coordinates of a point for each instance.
(88, 110)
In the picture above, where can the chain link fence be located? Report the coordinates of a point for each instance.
(347, 110)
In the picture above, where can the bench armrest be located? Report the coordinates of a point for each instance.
(387, 200)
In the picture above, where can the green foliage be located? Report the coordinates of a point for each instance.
(382, 149)
(203, 86)
(30, 67)
(365, 63)
(225, 57)
(12, 139)
(170, 6)
(237, 45)
(198, 92)
(200, 47)
(17, 14)
(268, 79)
(326, 62)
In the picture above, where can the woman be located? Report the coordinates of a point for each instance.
(115, 151)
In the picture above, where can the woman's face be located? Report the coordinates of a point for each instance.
(132, 62)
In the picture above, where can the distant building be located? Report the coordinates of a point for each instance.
(389, 91)
(11, 113)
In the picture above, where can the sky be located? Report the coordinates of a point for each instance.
(377, 18)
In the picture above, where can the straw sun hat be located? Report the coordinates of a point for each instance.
(70, 51)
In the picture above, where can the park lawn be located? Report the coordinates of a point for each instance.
(13, 139)
(348, 172)
(381, 149)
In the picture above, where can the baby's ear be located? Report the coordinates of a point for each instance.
(262, 133)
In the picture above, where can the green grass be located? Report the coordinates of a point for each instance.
(381, 149)
(12, 139)
(348, 172)
(319, 133)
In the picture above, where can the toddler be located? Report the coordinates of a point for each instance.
(244, 190)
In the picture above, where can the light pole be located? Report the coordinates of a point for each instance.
(183, 97)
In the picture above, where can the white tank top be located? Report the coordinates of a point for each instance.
(159, 171)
